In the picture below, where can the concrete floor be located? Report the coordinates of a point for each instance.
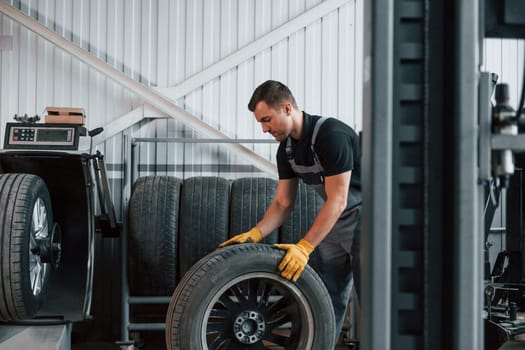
(110, 346)
(64, 336)
(95, 345)
(153, 344)
(149, 340)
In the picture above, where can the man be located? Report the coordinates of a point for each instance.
(325, 154)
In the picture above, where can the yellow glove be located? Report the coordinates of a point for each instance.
(295, 259)
(252, 236)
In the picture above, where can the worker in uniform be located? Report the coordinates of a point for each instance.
(325, 154)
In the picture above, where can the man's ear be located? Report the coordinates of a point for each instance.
(287, 108)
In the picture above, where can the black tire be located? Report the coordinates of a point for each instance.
(153, 232)
(204, 218)
(307, 205)
(234, 298)
(250, 197)
(24, 278)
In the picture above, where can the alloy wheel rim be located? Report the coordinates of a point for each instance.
(39, 230)
(258, 310)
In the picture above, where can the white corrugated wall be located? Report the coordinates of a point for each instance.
(164, 44)
(504, 57)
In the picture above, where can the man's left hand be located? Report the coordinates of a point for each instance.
(295, 259)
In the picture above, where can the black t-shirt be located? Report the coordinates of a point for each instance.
(336, 146)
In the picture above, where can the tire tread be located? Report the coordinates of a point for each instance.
(17, 195)
(153, 234)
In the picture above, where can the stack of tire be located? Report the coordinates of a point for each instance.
(231, 297)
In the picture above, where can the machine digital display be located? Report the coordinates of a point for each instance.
(42, 136)
(53, 135)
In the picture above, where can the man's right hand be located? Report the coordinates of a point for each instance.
(252, 236)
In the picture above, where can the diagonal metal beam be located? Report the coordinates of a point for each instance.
(149, 95)
(122, 123)
(250, 50)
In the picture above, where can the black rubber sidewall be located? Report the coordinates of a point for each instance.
(153, 235)
(201, 284)
(307, 205)
(203, 218)
(250, 197)
(23, 191)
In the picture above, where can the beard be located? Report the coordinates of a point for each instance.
(279, 136)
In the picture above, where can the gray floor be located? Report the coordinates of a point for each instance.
(152, 344)
(110, 346)
(61, 337)
(95, 345)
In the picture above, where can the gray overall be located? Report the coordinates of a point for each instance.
(335, 256)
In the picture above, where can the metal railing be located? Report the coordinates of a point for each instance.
(130, 175)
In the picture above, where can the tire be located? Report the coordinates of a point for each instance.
(26, 218)
(234, 298)
(204, 218)
(250, 197)
(153, 232)
(307, 205)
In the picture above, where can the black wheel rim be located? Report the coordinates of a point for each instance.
(258, 311)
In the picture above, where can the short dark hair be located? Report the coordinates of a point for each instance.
(273, 93)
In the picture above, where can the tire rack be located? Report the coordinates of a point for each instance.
(130, 176)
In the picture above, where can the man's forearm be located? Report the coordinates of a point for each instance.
(323, 223)
(336, 188)
(273, 218)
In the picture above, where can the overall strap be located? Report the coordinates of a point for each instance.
(314, 137)
(317, 126)
(313, 173)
